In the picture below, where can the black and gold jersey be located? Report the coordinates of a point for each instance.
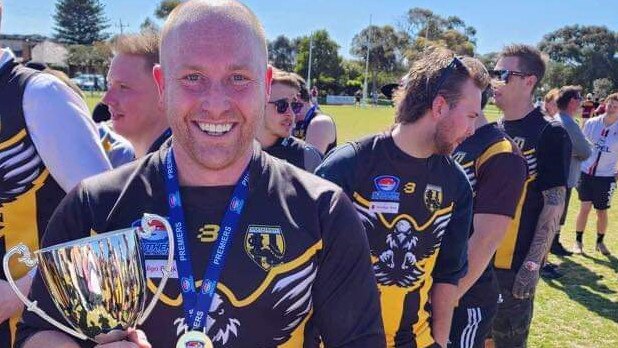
(28, 193)
(293, 269)
(416, 213)
(546, 146)
(497, 172)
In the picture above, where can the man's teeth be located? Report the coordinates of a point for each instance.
(215, 129)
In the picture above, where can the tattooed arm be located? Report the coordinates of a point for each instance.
(547, 226)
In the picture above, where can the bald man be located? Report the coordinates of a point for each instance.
(297, 265)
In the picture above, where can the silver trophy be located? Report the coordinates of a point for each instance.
(97, 283)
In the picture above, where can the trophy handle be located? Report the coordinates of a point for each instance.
(145, 231)
(31, 262)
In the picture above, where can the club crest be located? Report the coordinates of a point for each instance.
(265, 245)
(433, 197)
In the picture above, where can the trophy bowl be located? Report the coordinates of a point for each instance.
(97, 283)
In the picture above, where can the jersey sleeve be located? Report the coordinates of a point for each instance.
(500, 184)
(553, 157)
(345, 293)
(312, 158)
(339, 167)
(70, 221)
(452, 262)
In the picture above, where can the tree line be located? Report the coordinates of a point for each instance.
(579, 55)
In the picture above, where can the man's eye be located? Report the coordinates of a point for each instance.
(239, 78)
(192, 77)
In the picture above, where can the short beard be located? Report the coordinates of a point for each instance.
(440, 139)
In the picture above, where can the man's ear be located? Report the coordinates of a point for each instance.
(439, 107)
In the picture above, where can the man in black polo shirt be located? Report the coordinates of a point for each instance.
(497, 172)
(414, 200)
(547, 149)
(298, 262)
(274, 135)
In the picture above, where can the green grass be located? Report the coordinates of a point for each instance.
(578, 310)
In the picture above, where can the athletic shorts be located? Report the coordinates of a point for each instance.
(596, 189)
(471, 325)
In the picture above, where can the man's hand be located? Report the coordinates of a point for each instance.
(526, 280)
(135, 339)
(9, 302)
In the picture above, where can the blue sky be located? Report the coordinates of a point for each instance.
(497, 22)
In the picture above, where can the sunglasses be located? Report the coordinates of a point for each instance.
(454, 65)
(503, 75)
(282, 106)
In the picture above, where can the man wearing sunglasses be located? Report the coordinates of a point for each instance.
(313, 126)
(414, 200)
(274, 135)
(546, 146)
(497, 172)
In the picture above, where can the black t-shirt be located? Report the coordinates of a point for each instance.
(497, 172)
(417, 215)
(293, 270)
(546, 146)
(296, 152)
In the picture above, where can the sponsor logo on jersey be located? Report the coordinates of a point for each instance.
(265, 245)
(384, 207)
(387, 188)
(433, 197)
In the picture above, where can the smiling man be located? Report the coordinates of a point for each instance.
(414, 199)
(297, 262)
(274, 135)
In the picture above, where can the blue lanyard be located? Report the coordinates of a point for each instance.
(196, 305)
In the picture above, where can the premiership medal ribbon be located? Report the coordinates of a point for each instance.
(196, 304)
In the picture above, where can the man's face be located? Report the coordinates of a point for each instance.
(276, 123)
(575, 105)
(517, 88)
(457, 123)
(303, 112)
(132, 95)
(611, 108)
(214, 83)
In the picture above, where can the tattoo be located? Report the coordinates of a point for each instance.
(547, 226)
(554, 196)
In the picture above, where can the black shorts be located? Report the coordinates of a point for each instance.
(596, 189)
(566, 206)
(471, 325)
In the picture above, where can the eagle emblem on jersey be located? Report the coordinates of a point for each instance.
(265, 245)
(433, 197)
(407, 248)
(20, 165)
(289, 299)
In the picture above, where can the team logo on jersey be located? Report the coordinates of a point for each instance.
(265, 245)
(459, 156)
(433, 197)
(386, 186)
(520, 142)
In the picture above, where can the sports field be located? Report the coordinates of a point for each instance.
(577, 310)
